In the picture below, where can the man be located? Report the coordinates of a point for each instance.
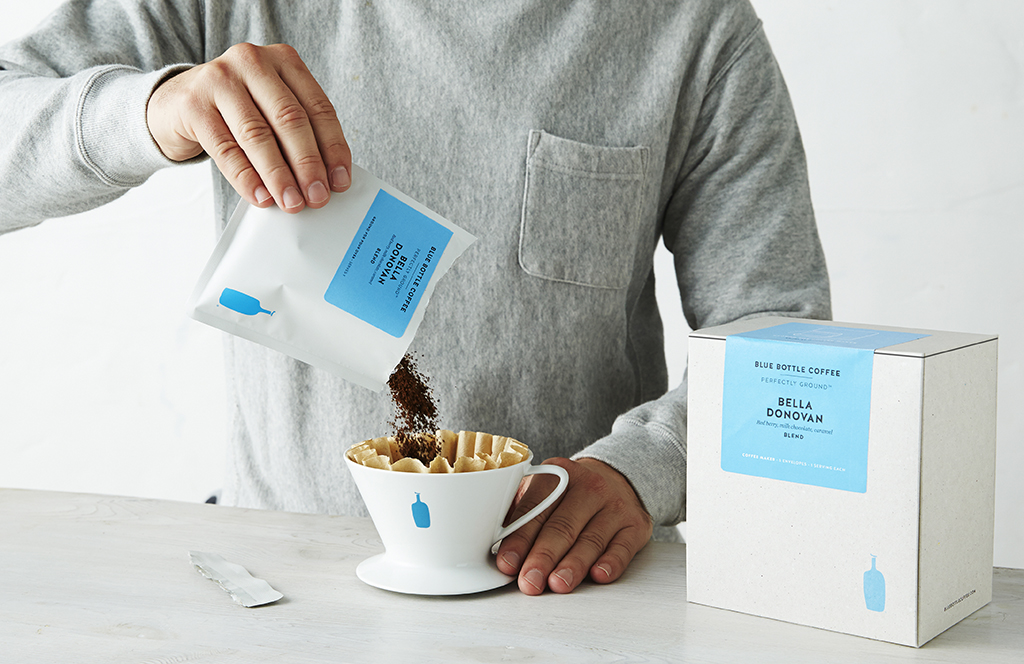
(569, 136)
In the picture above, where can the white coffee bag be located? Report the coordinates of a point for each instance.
(342, 288)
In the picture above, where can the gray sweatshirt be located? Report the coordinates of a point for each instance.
(569, 136)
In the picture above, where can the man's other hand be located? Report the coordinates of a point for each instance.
(596, 528)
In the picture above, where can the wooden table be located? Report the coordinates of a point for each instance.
(86, 578)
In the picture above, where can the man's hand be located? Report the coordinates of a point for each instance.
(597, 527)
(265, 121)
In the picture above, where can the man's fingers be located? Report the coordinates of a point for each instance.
(570, 570)
(542, 543)
(333, 148)
(257, 139)
(596, 528)
(618, 555)
(217, 139)
(305, 126)
(265, 121)
(574, 535)
(603, 550)
(514, 547)
(275, 132)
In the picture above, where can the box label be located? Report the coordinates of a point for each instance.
(389, 263)
(797, 401)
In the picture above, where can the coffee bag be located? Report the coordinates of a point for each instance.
(342, 288)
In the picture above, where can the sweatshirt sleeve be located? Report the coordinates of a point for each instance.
(73, 97)
(742, 233)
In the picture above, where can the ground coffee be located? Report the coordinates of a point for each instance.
(415, 411)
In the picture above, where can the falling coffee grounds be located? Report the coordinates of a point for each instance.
(415, 412)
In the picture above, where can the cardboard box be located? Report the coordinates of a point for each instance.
(839, 483)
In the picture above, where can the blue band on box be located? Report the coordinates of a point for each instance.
(797, 401)
(388, 265)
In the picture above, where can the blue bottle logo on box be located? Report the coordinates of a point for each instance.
(874, 588)
(420, 513)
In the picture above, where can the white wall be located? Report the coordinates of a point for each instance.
(913, 118)
(105, 385)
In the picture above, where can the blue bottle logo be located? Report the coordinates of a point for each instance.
(420, 513)
(242, 303)
(874, 588)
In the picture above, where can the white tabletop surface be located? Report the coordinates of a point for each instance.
(86, 578)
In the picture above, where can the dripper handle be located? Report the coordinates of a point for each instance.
(563, 482)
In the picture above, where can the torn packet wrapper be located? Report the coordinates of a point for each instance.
(242, 586)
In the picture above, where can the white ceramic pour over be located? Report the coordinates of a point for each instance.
(438, 528)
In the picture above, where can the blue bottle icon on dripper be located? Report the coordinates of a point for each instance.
(420, 513)
(242, 303)
(874, 588)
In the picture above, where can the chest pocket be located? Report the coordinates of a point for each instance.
(581, 208)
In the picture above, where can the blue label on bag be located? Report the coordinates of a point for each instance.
(797, 401)
(388, 265)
